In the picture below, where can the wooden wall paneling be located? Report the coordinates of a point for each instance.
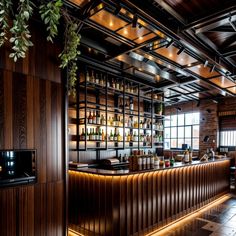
(115, 203)
(61, 162)
(135, 205)
(26, 211)
(144, 200)
(8, 217)
(19, 111)
(40, 206)
(159, 193)
(154, 200)
(30, 112)
(41, 134)
(109, 213)
(102, 203)
(150, 201)
(140, 203)
(49, 137)
(2, 133)
(129, 202)
(168, 195)
(123, 205)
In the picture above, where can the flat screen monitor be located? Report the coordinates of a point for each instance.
(17, 167)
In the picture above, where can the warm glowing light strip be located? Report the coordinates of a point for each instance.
(186, 218)
(71, 232)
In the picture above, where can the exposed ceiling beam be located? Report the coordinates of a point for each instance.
(169, 9)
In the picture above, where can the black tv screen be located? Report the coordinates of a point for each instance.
(17, 167)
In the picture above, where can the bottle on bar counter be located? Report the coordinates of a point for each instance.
(186, 156)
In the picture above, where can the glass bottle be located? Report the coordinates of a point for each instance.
(94, 118)
(111, 136)
(90, 118)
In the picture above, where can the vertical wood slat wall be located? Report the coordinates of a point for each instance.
(31, 118)
(140, 203)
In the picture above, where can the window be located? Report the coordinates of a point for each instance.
(182, 129)
(228, 131)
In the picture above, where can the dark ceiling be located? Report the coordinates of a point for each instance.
(186, 48)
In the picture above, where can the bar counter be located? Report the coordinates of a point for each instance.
(123, 202)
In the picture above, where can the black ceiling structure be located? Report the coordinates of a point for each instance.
(187, 49)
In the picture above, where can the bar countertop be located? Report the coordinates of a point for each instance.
(126, 171)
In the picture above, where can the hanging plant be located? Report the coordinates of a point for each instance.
(70, 54)
(50, 14)
(5, 8)
(20, 32)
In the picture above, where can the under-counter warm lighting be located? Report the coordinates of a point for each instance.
(188, 217)
(74, 233)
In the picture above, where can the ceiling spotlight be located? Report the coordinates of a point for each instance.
(206, 63)
(180, 50)
(212, 68)
(117, 10)
(134, 21)
(169, 43)
(232, 23)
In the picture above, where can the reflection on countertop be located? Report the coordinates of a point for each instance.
(124, 170)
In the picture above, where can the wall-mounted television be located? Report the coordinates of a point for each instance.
(17, 167)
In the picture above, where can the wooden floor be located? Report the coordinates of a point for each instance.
(218, 220)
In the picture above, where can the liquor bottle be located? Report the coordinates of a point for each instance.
(92, 78)
(82, 136)
(99, 135)
(115, 135)
(103, 135)
(111, 136)
(103, 121)
(87, 76)
(186, 156)
(136, 124)
(117, 85)
(94, 118)
(131, 88)
(120, 105)
(87, 138)
(128, 137)
(97, 79)
(131, 105)
(126, 105)
(141, 124)
(98, 118)
(91, 134)
(135, 138)
(119, 137)
(90, 118)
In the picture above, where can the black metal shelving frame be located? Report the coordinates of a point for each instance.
(85, 88)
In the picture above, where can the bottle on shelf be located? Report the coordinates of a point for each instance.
(94, 118)
(96, 79)
(103, 121)
(82, 136)
(103, 135)
(135, 138)
(111, 136)
(128, 137)
(90, 118)
(92, 79)
(119, 137)
(87, 76)
(115, 135)
(98, 118)
(131, 105)
(126, 105)
(121, 105)
(87, 138)
(91, 134)
(136, 124)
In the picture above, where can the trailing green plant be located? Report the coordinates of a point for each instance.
(20, 30)
(50, 14)
(70, 54)
(5, 8)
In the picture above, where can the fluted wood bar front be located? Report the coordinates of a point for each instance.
(138, 203)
